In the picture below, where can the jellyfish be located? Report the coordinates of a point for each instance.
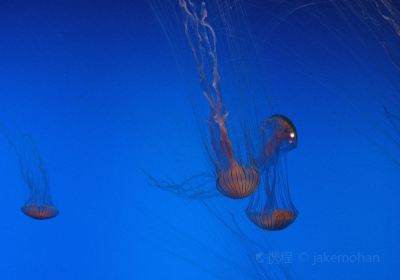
(271, 207)
(234, 178)
(278, 133)
(38, 204)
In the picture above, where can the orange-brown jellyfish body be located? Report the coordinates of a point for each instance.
(277, 220)
(234, 179)
(237, 181)
(40, 212)
(271, 207)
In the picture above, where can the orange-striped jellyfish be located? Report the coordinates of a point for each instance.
(278, 134)
(271, 207)
(40, 212)
(234, 178)
(39, 204)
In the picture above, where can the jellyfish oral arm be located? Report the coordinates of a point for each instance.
(221, 142)
(225, 143)
(202, 40)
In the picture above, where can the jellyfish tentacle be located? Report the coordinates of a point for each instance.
(391, 16)
(192, 187)
(222, 144)
(203, 42)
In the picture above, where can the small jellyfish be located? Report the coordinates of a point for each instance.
(38, 204)
(273, 220)
(234, 179)
(39, 212)
(278, 134)
(271, 207)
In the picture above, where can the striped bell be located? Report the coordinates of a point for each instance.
(238, 181)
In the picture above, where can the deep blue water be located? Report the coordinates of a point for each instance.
(97, 85)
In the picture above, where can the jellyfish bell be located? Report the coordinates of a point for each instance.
(237, 181)
(276, 219)
(40, 212)
(281, 130)
(271, 206)
(278, 134)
